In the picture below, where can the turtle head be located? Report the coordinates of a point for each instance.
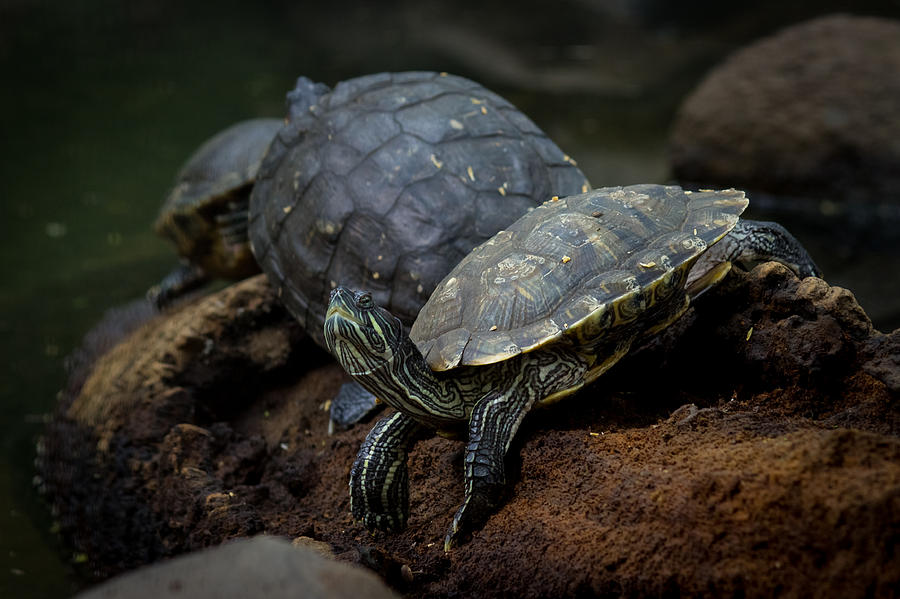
(360, 334)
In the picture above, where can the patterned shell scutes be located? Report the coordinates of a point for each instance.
(575, 266)
(389, 180)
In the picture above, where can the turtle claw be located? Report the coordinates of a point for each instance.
(454, 536)
(449, 541)
(472, 515)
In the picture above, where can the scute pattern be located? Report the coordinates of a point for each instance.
(389, 180)
(574, 265)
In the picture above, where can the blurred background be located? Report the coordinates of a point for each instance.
(102, 101)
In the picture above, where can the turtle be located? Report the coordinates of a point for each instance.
(532, 315)
(205, 213)
(387, 181)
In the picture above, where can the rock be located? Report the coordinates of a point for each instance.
(258, 567)
(147, 411)
(809, 111)
(780, 473)
(111, 328)
(320, 547)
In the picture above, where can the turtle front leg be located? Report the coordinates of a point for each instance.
(184, 278)
(492, 426)
(379, 478)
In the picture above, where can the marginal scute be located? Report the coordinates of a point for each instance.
(447, 351)
(490, 347)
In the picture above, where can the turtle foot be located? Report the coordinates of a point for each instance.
(472, 515)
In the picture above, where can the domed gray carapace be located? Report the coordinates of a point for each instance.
(389, 180)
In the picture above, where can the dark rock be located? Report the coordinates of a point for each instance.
(781, 473)
(810, 111)
(258, 567)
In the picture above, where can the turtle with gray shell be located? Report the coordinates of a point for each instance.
(529, 317)
(386, 182)
(205, 214)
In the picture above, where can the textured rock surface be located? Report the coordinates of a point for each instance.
(811, 111)
(750, 449)
(258, 567)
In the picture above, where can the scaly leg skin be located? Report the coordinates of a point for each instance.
(379, 478)
(494, 422)
(184, 278)
(352, 404)
(752, 241)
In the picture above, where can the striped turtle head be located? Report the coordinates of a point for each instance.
(361, 335)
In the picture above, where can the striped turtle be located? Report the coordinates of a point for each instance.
(528, 317)
(386, 182)
(205, 214)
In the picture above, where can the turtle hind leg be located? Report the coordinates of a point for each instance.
(379, 478)
(494, 422)
(759, 241)
(184, 278)
(748, 242)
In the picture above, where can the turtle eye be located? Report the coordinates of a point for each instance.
(365, 300)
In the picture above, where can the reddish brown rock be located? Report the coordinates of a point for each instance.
(750, 449)
(810, 111)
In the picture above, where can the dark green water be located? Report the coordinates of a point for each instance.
(101, 101)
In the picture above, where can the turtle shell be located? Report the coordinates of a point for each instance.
(213, 182)
(389, 180)
(573, 268)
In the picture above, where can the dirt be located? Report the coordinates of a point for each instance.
(751, 449)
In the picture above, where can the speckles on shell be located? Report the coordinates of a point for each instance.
(515, 267)
(456, 124)
(628, 198)
(693, 243)
(449, 290)
(328, 227)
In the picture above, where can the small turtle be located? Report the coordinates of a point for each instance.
(205, 214)
(528, 317)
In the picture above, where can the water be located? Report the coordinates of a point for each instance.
(101, 101)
